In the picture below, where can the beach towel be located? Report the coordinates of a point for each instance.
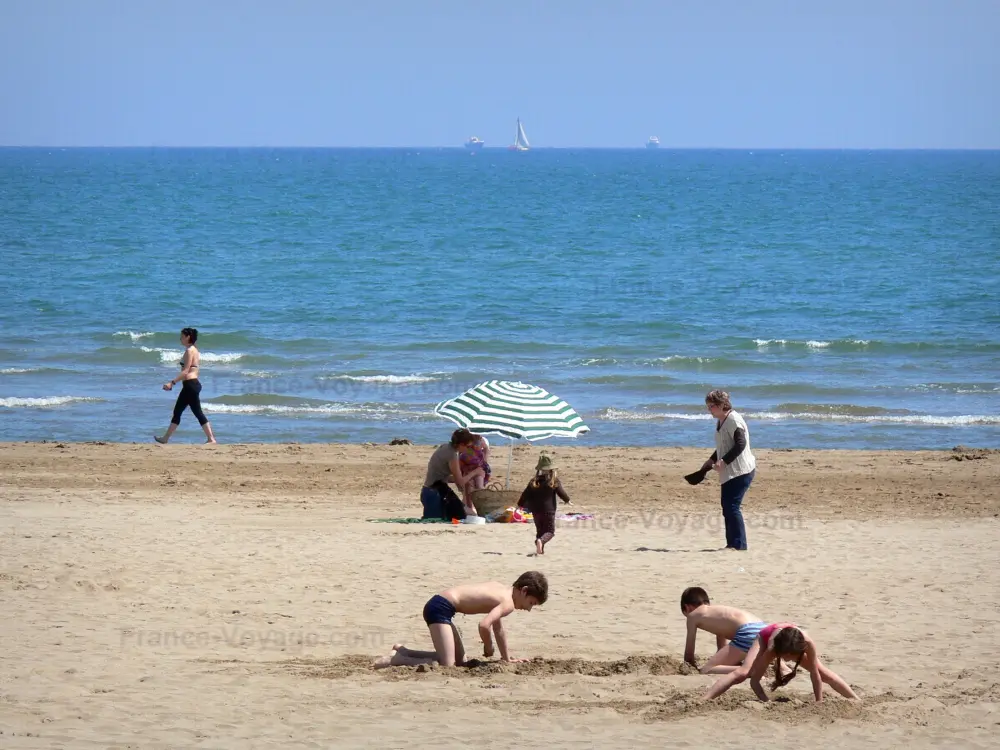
(407, 520)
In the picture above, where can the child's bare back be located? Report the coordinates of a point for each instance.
(493, 599)
(720, 620)
(480, 598)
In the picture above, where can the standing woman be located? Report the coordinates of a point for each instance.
(190, 395)
(734, 462)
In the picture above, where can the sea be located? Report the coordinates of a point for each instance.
(845, 299)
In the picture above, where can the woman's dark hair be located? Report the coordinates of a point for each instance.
(462, 437)
(191, 333)
(787, 641)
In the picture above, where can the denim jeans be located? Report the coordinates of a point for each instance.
(440, 501)
(732, 496)
(431, 500)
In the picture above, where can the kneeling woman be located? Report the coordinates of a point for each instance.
(444, 466)
(190, 395)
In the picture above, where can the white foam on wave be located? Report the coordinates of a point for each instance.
(135, 336)
(680, 358)
(173, 356)
(621, 415)
(810, 344)
(385, 379)
(41, 403)
(914, 419)
(17, 370)
(324, 410)
(257, 374)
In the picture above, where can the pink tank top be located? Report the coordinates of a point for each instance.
(768, 631)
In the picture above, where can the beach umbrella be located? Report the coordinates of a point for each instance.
(515, 410)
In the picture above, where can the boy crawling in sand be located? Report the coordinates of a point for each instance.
(495, 600)
(737, 627)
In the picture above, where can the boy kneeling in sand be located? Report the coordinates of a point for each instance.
(737, 627)
(495, 600)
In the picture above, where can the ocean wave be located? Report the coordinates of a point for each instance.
(41, 403)
(384, 379)
(369, 411)
(679, 359)
(18, 370)
(954, 387)
(914, 419)
(257, 374)
(847, 410)
(135, 336)
(873, 346)
(222, 339)
(483, 346)
(264, 399)
(810, 344)
(173, 356)
(717, 364)
(625, 415)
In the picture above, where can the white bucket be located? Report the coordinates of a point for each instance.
(475, 520)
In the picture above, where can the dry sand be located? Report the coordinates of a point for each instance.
(234, 596)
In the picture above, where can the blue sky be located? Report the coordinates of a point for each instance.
(768, 74)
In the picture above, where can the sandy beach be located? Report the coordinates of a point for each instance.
(234, 596)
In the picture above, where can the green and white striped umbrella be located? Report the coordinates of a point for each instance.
(515, 410)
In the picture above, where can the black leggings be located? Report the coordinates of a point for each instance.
(190, 395)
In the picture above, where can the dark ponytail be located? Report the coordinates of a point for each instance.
(787, 641)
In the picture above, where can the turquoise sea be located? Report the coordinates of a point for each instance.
(845, 299)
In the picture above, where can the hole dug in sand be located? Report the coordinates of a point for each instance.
(349, 666)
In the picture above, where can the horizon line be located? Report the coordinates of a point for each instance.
(506, 148)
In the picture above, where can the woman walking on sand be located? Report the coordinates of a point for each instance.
(735, 463)
(190, 395)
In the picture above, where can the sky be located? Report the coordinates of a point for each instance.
(584, 73)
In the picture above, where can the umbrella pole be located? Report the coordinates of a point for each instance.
(510, 459)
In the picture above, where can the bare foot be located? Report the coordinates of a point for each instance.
(210, 442)
(162, 441)
(539, 547)
(398, 647)
(384, 661)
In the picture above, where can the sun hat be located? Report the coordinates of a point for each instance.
(545, 463)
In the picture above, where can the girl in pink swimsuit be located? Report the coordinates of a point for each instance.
(783, 641)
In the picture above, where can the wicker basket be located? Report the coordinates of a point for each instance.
(490, 500)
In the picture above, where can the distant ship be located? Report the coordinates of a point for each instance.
(520, 140)
(474, 143)
(653, 142)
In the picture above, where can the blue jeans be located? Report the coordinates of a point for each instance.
(732, 496)
(431, 500)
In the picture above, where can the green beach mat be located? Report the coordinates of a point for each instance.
(407, 520)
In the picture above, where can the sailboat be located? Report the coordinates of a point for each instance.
(521, 140)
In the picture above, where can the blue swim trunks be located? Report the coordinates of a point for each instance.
(746, 635)
(438, 610)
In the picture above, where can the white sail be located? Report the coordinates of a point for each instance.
(522, 139)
